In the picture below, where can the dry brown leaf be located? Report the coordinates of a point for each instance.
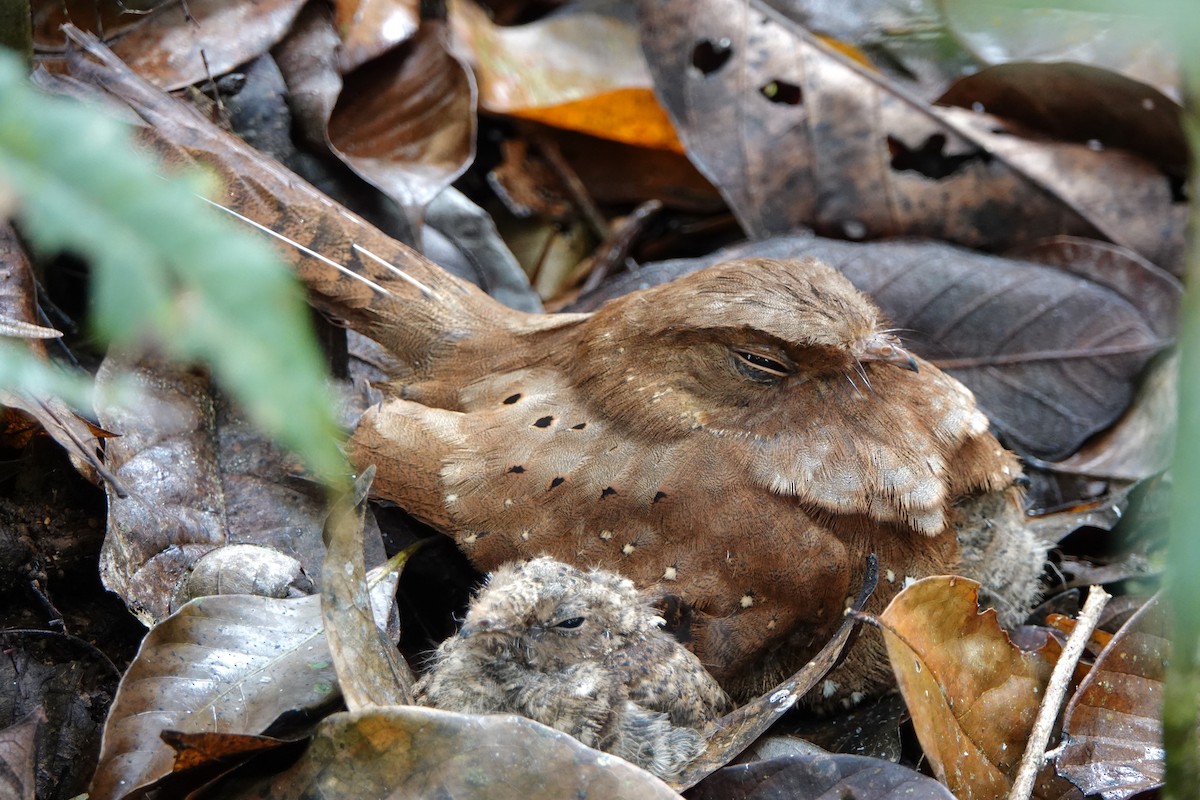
(796, 135)
(370, 28)
(1113, 728)
(973, 695)
(406, 121)
(579, 71)
(166, 47)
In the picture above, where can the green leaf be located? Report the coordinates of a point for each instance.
(167, 269)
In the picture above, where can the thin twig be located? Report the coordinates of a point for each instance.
(1056, 692)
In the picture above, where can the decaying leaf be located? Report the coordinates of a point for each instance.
(973, 695)
(1080, 103)
(1113, 724)
(18, 747)
(195, 479)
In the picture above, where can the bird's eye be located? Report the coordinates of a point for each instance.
(573, 622)
(758, 367)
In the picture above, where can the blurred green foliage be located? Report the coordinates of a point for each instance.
(167, 270)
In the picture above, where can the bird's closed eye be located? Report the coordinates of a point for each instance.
(572, 622)
(758, 367)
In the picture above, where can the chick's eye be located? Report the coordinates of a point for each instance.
(573, 622)
(758, 367)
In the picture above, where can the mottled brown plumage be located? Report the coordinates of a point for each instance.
(739, 439)
(583, 652)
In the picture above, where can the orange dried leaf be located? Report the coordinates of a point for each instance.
(580, 71)
(630, 115)
(972, 693)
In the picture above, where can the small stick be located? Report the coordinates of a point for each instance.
(1056, 692)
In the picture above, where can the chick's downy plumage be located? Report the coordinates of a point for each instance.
(580, 651)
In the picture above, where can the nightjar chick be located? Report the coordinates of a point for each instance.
(580, 651)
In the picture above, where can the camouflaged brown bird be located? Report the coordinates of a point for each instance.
(583, 652)
(736, 441)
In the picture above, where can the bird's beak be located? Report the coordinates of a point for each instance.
(883, 349)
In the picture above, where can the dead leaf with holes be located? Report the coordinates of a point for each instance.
(796, 135)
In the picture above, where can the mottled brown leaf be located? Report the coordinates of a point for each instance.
(973, 695)
(1113, 728)
(196, 478)
(406, 121)
(166, 47)
(796, 135)
(407, 751)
